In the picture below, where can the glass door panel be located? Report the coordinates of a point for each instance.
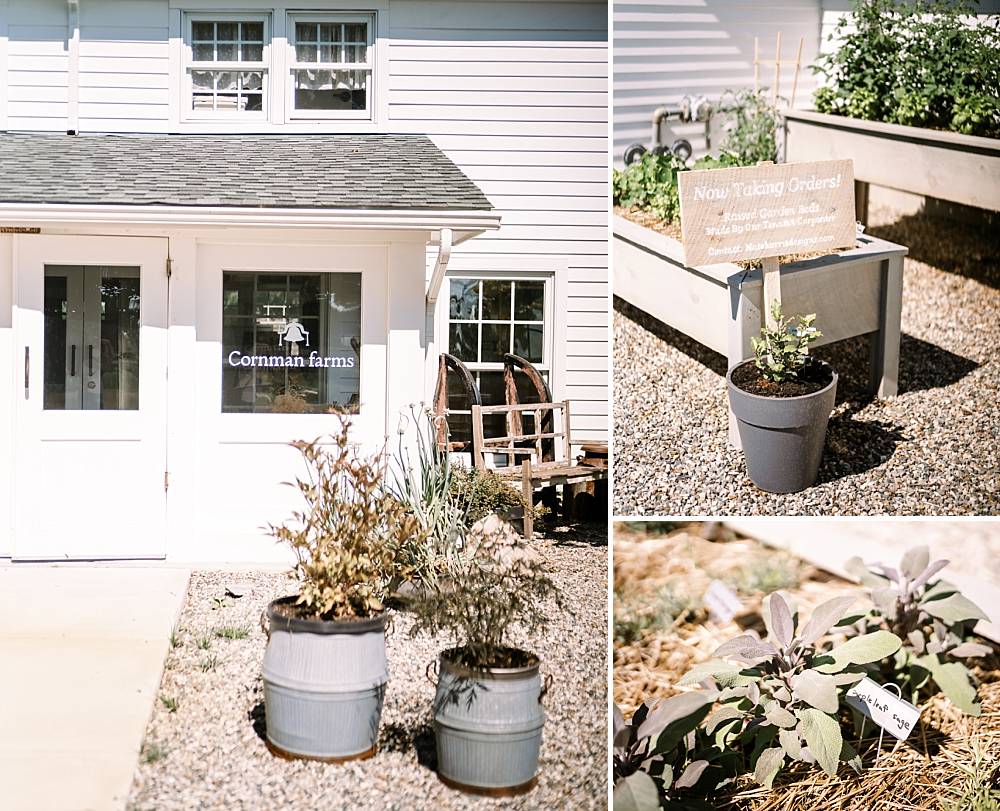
(91, 338)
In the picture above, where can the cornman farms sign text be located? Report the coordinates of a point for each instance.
(313, 361)
(754, 212)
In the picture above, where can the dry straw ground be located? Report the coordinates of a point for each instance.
(952, 762)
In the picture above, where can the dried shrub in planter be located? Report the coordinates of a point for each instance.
(784, 701)
(494, 585)
(932, 618)
(348, 537)
(655, 756)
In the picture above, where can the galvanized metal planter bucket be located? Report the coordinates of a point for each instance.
(324, 683)
(782, 437)
(488, 725)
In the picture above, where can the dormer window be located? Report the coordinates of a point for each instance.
(227, 69)
(330, 65)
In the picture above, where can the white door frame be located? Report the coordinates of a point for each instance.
(118, 458)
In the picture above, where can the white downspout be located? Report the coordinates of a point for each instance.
(73, 68)
(440, 266)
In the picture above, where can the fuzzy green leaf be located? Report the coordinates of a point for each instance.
(712, 669)
(970, 649)
(856, 567)
(768, 764)
(825, 616)
(915, 561)
(791, 743)
(781, 625)
(723, 715)
(816, 689)
(953, 608)
(859, 650)
(637, 792)
(822, 734)
(779, 716)
(681, 711)
(691, 774)
(953, 680)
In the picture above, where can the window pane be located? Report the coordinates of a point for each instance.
(300, 351)
(229, 31)
(252, 80)
(528, 339)
(251, 52)
(203, 80)
(496, 300)
(305, 32)
(226, 52)
(252, 102)
(305, 52)
(462, 341)
(225, 80)
(331, 90)
(496, 341)
(464, 299)
(203, 52)
(202, 31)
(252, 32)
(529, 301)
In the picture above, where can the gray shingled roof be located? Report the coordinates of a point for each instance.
(262, 171)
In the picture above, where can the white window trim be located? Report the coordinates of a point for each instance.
(548, 364)
(370, 19)
(276, 119)
(188, 65)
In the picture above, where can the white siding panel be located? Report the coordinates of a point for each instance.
(36, 64)
(665, 49)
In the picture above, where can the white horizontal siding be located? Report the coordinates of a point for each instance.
(516, 95)
(665, 49)
(36, 60)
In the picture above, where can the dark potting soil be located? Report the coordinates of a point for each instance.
(300, 612)
(811, 379)
(504, 657)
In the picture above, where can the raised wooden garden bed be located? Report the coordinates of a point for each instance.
(950, 166)
(857, 292)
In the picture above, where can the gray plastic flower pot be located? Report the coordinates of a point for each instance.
(782, 437)
(488, 725)
(324, 683)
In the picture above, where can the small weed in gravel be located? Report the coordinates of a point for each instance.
(169, 703)
(209, 663)
(175, 640)
(233, 632)
(204, 642)
(152, 752)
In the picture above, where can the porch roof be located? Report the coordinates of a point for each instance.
(316, 172)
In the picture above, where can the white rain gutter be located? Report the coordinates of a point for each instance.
(471, 222)
(440, 266)
(73, 66)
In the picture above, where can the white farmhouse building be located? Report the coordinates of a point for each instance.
(221, 218)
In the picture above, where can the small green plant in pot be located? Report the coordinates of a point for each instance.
(934, 621)
(325, 664)
(488, 713)
(782, 400)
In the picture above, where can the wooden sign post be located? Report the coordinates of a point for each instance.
(766, 211)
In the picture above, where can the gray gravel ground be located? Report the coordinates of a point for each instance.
(212, 754)
(932, 450)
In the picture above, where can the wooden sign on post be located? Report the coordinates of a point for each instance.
(765, 211)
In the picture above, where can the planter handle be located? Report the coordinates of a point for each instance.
(432, 667)
(265, 626)
(546, 686)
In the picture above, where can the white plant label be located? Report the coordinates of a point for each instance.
(893, 714)
(722, 602)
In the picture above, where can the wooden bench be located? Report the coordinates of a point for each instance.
(539, 474)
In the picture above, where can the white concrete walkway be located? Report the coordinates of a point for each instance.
(972, 546)
(81, 655)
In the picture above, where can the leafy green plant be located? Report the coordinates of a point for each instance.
(920, 64)
(428, 486)
(348, 538)
(495, 584)
(635, 617)
(654, 753)
(651, 184)
(203, 642)
(783, 702)
(209, 663)
(480, 493)
(932, 618)
(232, 632)
(153, 752)
(169, 703)
(781, 352)
(750, 124)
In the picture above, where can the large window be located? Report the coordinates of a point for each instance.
(227, 68)
(331, 65)
(488, 317)
(291, 343)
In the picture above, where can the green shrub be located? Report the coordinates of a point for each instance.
(479, 493)
(750, 129)
(934, 621)
(650, 184)
(921, 64)
(781, 353)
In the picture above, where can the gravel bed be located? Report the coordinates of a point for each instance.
(934, 449)
(209, 753)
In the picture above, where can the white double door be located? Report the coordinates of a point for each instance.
(90, 341)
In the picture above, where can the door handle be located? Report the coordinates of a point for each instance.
(90, 359)
(72, 360)
(27, 371)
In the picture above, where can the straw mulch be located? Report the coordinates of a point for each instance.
(935, 769)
